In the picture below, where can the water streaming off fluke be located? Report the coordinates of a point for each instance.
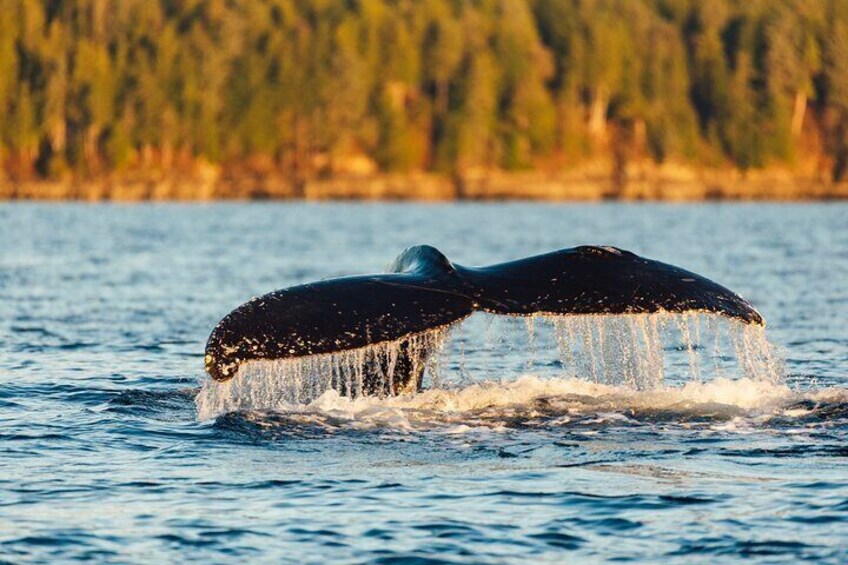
(276, 385)
(634, 352)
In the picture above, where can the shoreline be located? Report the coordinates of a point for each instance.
(674, 184)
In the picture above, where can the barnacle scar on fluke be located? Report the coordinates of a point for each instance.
(424, 292)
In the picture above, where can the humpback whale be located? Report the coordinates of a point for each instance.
(423, 291)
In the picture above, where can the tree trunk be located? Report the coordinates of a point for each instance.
(58, 135)
(798, 113)
(640, 137)
(598, 112)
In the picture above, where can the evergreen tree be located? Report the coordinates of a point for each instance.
(298, 86)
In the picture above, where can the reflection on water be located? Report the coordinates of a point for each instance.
(678, 439)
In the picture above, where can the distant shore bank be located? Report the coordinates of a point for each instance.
(585, 184)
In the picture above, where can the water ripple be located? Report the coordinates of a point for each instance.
(104, 311)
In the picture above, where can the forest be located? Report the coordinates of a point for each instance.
(323, 88)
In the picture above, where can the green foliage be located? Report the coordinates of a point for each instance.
(91, 86)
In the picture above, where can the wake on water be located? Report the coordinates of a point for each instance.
(546, 370)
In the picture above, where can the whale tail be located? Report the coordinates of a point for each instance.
(424, 291)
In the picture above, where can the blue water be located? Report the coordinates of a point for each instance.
(105, 309)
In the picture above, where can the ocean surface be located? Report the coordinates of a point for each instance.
(114, 448)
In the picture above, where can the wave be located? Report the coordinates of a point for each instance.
(534, 401)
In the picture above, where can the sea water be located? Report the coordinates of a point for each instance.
(678, 438)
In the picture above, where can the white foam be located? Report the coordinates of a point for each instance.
(489, 403)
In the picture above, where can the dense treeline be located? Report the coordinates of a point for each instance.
(311, 87)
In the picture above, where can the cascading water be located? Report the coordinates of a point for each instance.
(640, 352)
(274, 385)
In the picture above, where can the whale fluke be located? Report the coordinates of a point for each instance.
(424, 291)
